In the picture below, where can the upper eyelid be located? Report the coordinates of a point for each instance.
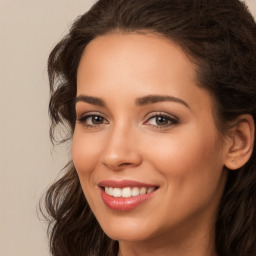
(160, 113)
(90, 113)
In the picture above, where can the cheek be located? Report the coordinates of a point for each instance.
(188, 161)
(85, 153)
(191, 168)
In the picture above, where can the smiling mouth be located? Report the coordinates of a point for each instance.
(125, 195)
(127, 192)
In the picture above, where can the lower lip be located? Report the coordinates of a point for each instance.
(124, 204)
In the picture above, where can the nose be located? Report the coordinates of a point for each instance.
(121, 150)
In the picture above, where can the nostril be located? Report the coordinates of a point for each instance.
(124, 164)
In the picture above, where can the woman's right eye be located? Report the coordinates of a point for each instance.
(92, 120)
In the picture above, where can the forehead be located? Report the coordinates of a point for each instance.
(137, 56)
(122, 65)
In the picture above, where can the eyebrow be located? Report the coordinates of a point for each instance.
(149, 99)
(159, 98)
(90, 100)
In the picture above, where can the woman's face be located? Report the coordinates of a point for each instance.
(145, 134)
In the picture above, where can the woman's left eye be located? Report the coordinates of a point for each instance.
(161, 121)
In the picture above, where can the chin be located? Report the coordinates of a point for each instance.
(127, 230)
(128, 234)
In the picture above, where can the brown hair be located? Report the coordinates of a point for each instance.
(220, 37)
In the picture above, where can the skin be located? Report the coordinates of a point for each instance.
(184, 157)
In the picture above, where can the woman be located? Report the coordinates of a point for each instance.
(159, 100)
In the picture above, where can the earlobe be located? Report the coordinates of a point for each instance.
(241, 142)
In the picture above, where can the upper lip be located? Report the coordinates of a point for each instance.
(124, 184)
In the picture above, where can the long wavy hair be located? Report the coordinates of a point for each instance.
(219, 36)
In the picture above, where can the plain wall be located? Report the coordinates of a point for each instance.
(28, 31)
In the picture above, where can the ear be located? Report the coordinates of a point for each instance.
(240, 142)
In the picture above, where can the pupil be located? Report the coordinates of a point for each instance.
(97, 120)
(161, 120)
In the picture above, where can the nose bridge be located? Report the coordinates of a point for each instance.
(120, 147)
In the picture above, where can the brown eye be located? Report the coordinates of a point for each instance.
(97, 119)
(92, 120)
(162, 121)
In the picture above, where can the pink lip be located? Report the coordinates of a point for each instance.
(124, 204)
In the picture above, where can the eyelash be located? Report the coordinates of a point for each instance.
(171, 120)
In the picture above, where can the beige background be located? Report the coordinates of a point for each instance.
(28, 31)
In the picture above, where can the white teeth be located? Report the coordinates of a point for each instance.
(128, 192)
(117, 192)
(149, 190)
(111, 191)
(143, 191)
(135, 191)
